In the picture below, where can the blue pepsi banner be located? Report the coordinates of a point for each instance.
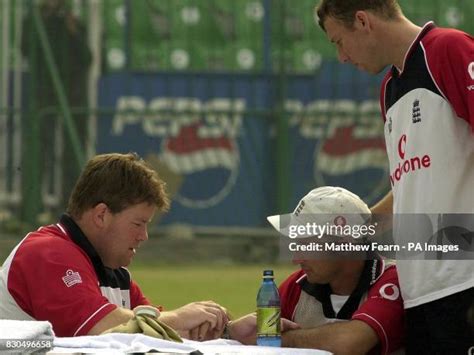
(206, 138)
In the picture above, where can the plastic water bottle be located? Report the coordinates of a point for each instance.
(268, 312)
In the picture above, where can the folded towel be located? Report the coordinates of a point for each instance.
(147, 324)
(25, 336)
(25, 329)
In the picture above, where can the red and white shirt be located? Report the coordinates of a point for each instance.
(376, 301)
(55, 274)
(428, 109)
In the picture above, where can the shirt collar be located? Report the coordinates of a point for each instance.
(80, 239)
(370, 273)
(424, 30)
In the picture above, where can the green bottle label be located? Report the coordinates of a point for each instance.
(268, 321)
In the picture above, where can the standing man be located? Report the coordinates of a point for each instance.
(427, 101)
(73, 274)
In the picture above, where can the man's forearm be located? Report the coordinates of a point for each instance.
(111, 320)
(171, 319)
(352, 337)
(384, 206)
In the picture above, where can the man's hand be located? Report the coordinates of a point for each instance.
(244, 329)
(197, 320)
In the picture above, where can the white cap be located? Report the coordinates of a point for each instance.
(325, 205)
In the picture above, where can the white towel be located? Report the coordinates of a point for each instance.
(114, 343)
(218, 347)
(25, 336)
(25, 329)
(125, 343)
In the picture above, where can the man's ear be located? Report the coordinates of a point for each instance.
(362, 21)
(99, 214)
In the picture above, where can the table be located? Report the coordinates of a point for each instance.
(127, 343)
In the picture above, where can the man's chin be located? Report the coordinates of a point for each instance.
(311, 278)
(126, 262)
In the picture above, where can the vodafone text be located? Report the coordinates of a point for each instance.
(409, 165)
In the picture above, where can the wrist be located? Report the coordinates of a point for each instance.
(170, 318)
(226, 334)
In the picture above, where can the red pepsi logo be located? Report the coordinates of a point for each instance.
(209, 162)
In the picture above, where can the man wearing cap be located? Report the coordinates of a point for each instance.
(344, 305)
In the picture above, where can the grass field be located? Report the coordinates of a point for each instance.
(233, 286)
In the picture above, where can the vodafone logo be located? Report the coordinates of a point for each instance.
(470, 70)
(401, 146)
(340, 221)
(409, 165)
(390, 292)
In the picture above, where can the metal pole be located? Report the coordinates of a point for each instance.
(95, 43)
(17, 91)
(58, 87)
(267, 37)
(283, 165)
(31, 189)
(128, 34)
(5, 78)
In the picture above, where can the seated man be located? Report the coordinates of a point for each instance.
(343, 305)
(72, 273)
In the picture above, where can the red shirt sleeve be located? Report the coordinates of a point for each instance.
(383, 311)
(57, 283)
(137, 298)
(290, 293)
(452, 66)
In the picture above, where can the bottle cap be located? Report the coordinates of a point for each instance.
(268, 273)
(146, 310)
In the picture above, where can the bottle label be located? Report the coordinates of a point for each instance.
(268, 321)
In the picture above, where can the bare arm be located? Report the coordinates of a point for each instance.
(197, 320)
(352, 337)
(384, 206)
(114, 318)
(184, 319)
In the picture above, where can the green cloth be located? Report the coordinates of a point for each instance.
(148, 325)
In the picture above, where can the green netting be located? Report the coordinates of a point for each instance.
(239, 20)
(304, 43)
(454, 13)
(178, 56)
(220, 35)
(114, 21)
(242, 56)
(307, 57)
